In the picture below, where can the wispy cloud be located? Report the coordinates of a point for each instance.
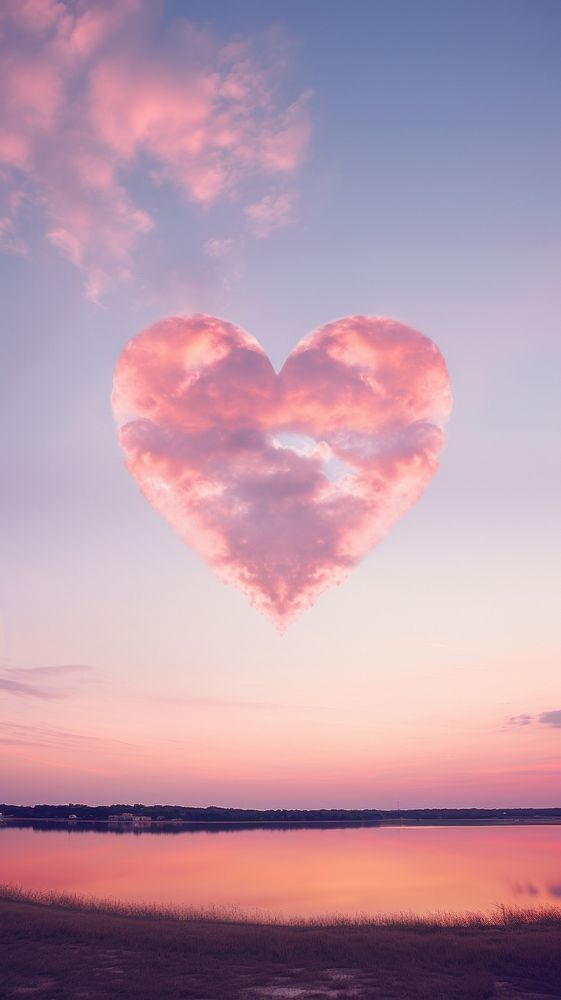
(271, 212)
(218, 247)
(18, 734)
(520, 720)
(45, 683)
(20, 689)
(93, 92)
(183, 701)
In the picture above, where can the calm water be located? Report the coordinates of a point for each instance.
(305, 872)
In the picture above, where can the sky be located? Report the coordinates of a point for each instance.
(280, 167)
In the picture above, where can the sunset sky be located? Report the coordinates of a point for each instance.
(280, 166)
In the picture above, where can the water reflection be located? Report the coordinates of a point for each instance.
(180, 826)
(293, 870)
(525, 889)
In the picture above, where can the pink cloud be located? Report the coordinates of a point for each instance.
(217, 247)
(282, 483)
(93, 92)
(273, 211)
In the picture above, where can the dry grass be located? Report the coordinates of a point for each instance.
(57, 946)
(500, 915)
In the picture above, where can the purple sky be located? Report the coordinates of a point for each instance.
(280, 168)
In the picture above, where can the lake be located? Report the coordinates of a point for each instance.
(303, 872)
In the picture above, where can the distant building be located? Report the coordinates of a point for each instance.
(142, 820)
(72, 816)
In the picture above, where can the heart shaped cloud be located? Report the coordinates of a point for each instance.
(281, 482)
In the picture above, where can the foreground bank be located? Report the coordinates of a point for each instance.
(64, 950)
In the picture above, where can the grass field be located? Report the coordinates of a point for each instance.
(56, 947)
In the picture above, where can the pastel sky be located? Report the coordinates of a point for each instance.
(280, 166)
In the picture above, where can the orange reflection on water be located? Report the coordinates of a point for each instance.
(306, 872)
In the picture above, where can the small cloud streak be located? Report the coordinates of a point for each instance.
(520, 720)
(35, 682)
(272, 212)
(92, 93)
(282, 483)
(187, 701)
(217, 247)
(19, 688)
(552, 718)
(18, 734)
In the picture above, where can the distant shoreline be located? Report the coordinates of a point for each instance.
(157, 817)
(276, 824)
